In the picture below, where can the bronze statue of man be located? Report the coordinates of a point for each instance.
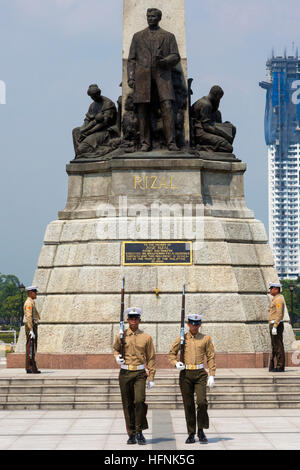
(153, 54)
(210, 133)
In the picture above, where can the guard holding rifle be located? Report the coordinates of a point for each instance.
(276, 314)
(133, 349)
(31, 319)
(193, 347)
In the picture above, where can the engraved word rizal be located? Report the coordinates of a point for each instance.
(154, 182)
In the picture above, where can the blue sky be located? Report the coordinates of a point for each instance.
(51, 50)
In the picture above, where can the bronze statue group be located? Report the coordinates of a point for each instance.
(152, 115)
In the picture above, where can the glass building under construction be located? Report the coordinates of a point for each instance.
(282, 134)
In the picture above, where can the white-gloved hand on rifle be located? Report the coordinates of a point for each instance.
(120, 360)
(151, 384)
(180, 365)
(274, 331)
(31, 334)
(211, 381)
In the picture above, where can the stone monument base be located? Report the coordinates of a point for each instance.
(158, 197)
(106, 361)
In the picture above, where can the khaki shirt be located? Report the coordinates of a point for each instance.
(30, 313)
(139, 350)
(276, 310)
(196, 348)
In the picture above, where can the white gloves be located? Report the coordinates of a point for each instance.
(31, 334)
(180, 366)
(211, 381)
(151, 384)
(120, 360)
(274, 331)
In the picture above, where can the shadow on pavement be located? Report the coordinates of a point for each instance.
(158, 440)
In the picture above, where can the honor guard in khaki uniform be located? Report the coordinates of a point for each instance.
(138, 353)
(31, 319)
(193, 377)
(276, 314)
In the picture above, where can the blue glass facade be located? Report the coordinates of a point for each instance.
(282, 117)
(282, 134)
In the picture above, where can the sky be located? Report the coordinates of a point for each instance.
(52, 50)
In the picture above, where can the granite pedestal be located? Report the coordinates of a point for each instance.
(80, 266)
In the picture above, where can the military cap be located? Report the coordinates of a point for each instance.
(133, 312)
(32, 288)
(195, 319)
(274, 284)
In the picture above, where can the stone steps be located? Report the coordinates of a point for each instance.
(96, 405)
(114, 389)
(151, 397)
(159, 380)
(40, 392)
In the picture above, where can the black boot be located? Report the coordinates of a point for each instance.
(141, 439)
(29, 371)
(132, 439)
(202, 436)
(190, 439)
(278, 369)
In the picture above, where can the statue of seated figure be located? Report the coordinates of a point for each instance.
(209, 132)
(99, 134)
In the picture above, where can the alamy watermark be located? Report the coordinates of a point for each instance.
(155, 221)
(296, 94)
(2, 92)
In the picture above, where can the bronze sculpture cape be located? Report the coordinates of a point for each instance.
(153, 115)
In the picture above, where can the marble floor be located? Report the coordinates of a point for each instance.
(105, 430)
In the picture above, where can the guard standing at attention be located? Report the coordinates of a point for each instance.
(276, 314)
(31, 320)
(138, 353)
(193, 377)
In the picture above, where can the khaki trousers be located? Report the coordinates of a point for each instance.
(192, 381)
(30, 363)
(133, 392)
(277, 346)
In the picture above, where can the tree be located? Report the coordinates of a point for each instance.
(10, 300)
(286, 283)
(11, 310)
(9, 285)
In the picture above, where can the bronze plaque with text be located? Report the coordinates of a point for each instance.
(157, 253)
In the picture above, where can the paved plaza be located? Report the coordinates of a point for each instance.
(230, 429)
(105, 430)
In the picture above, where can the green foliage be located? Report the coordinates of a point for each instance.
(10, 301)
(7, 337)
(11, 309)
(296, 299)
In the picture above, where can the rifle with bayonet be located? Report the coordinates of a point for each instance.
(182, 340)
(122, 351)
